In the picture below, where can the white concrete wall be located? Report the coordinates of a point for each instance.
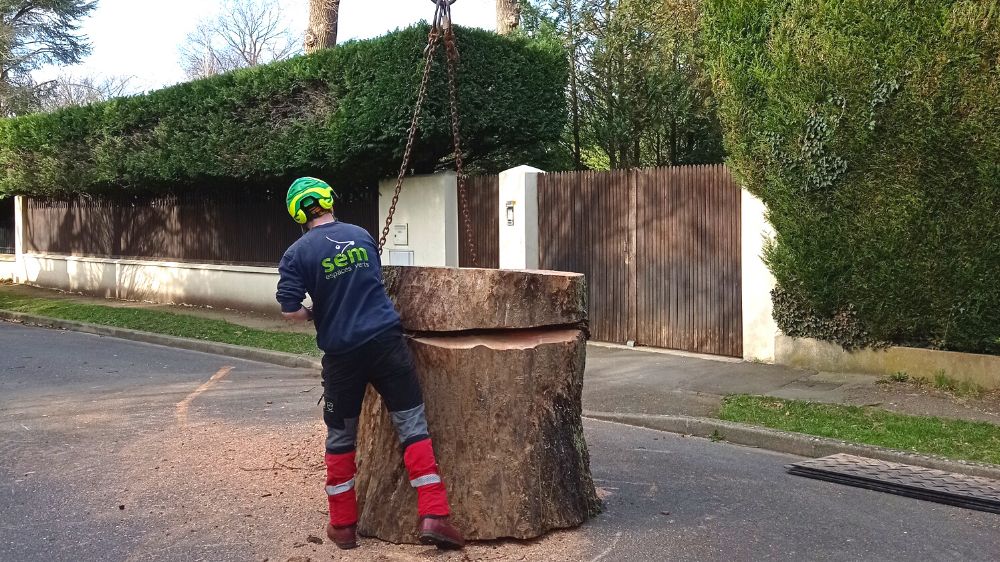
(759, 328)
(8, 268)
(519, 241)
(229, 286)
(428, 205)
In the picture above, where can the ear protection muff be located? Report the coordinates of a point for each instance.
(306, 194)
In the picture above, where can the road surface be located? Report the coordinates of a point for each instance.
(113, 450)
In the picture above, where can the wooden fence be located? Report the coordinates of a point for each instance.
(238, 229)
(7, 226)
(484, 215)
(660, 248)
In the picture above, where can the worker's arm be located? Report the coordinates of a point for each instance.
(291, 290)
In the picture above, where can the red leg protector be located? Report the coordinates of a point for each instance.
(432, 499)
(340, 471)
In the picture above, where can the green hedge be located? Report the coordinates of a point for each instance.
(872, 132)
(341, 112)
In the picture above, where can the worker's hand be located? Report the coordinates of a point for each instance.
(301, 315)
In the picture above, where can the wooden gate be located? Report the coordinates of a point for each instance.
(484, 215)
(660, 248)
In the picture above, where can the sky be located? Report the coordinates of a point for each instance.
(140, 38)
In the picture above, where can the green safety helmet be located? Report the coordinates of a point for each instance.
(305, 193)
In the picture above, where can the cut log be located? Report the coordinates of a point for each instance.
(505, 415)
(440, 299)
(500, 356)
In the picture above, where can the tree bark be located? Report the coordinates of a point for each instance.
(508, 16)
(323, 18)
(446, 299)
(504, 407)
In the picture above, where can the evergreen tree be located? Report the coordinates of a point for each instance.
(33, 34)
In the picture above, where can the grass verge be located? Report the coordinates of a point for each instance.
(973, 441)
(161, 322)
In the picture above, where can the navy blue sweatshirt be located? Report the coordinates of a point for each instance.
(338, 265)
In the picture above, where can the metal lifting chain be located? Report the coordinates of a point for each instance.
(441, 25)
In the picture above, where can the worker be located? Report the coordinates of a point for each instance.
(337, 265)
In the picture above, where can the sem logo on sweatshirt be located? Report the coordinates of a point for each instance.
(349, 259)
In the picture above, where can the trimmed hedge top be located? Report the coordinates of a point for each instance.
(342, 113)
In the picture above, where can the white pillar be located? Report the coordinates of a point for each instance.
(519, 218)
(20, 275)
(759, 328)
(425, 226)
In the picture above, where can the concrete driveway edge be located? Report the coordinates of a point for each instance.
(227, 350)
(791, 443)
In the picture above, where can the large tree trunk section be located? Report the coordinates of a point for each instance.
(445, 299)
(503, 405)
(508, 16)
(324, 16)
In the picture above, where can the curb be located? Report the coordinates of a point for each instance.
(791, 443)
(225, 349)
(672, 352)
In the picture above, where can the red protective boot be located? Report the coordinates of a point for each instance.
(345, 538)
(342, 529)
(432, 499)
(439, 531)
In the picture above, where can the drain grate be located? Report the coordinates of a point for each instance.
(927, 484)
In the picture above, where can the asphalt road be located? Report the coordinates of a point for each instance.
(112, 450)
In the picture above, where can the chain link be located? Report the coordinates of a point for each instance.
(442, 19)
(463, 197)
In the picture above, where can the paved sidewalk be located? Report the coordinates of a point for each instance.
(631, 381)
(641, 381)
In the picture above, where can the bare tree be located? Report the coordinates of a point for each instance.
(68, 90)
(201, 55)
(323, 18)
(508, 16)
(245, 33)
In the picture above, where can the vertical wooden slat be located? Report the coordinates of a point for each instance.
(617, 185)
(687, 250)
(484, 214)
(662, 193)
(615, 253)
(723, 335)
(717, 316)
(609, 251)
(602, 258)
(696, 256)
(708, 251)
(680, 250)
(631, 181)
